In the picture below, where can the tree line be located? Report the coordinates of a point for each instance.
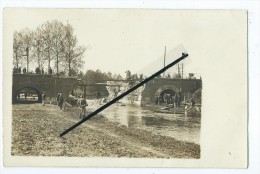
(50, 44)
(99, 76)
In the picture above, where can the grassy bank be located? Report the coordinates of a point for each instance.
(36, 129)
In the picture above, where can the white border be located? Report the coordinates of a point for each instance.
(253, 8)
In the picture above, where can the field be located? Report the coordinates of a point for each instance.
(36, 129)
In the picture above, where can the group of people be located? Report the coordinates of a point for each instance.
(39, 71)
(130, 76)
(19, 70)
(168, 99)
(175, 100)
(81, 102)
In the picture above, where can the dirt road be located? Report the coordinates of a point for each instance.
(36, 129)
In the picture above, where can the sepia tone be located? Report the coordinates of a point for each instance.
(160, 119)
(168, 122)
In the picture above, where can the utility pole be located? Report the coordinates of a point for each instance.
(178, 70)
(85, 90)
(182, 71)
(70, 57)
(27, 58)
(164, 60)
(16, 57)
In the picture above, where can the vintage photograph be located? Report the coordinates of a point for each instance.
(161, 119)
(113, 83)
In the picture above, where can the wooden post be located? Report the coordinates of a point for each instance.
(182, 71)
(85, 86)
(27, 56)
(178, 70)
(164, 60)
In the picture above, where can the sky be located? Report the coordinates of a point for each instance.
(128, 39)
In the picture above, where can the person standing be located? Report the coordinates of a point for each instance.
(156, 99)
(168, 97)
(43, 98)
(37, 70)
(173, 100)
(98, 96)
(180, 99)
(177, 97)
(160, 100)
(14, 70)
(192, 101)
(50, 70)
(165, 98)
(58, 98)
(82, 102)
(61, 100)
(25, 95)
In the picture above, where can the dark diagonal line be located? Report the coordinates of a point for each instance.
(124, 94)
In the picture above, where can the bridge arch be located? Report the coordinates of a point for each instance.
(28, 88)
(166, 89)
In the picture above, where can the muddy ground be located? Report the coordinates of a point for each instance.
(36, 130)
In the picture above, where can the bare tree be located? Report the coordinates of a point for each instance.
(47, 41)
(26, 44)
(38, 46)
(58, 37)
(73, 52)
(51, 40)
(17, 49)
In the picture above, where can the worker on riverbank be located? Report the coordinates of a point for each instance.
(173, 100)
(156, 99)
(165, 98)
(98, 97)
(192, 102)
(43, 98)
(58, 98)
(61, 100)
(177, 100)
(82, 102)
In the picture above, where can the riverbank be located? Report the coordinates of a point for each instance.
(36, 129)
(169, 109)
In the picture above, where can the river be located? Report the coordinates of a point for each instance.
(178, 126)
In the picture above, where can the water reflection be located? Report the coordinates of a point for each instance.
(179, 126)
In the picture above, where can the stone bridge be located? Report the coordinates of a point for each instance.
(39, 83)
(51, 85)
(159, 86)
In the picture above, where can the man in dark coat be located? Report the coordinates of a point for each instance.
(177, 98)
(82, 102)
(58, 98)
(61, 100)
(156, 99)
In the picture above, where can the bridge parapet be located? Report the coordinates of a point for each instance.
(49, 84)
